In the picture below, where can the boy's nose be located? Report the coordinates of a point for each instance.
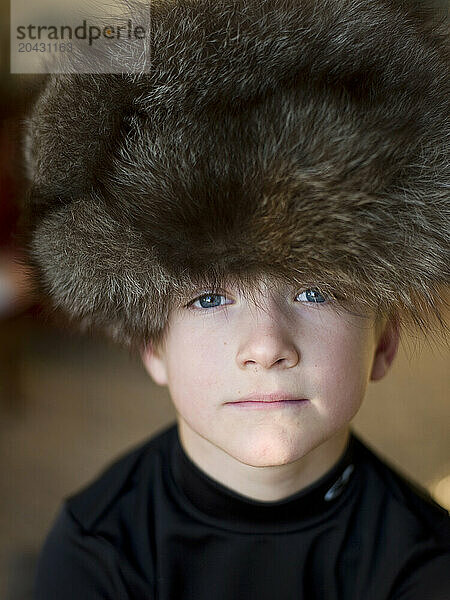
(268, 349)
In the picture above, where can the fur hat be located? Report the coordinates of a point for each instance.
(306, 141)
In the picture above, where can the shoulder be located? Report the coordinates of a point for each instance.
(72, 565)
(123, 478)
(409, 532)
(413, 502)
(85, 554)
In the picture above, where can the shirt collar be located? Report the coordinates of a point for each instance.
(213, 502)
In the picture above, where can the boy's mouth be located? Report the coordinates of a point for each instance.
(278, 405)
(272, 398)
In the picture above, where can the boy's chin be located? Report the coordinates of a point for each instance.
(270, 452)
(275, 447)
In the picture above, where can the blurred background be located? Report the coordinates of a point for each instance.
(69, 405)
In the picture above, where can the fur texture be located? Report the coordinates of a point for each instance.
(302, 140)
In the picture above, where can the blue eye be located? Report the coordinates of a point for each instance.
(312, 295)
(208, 301)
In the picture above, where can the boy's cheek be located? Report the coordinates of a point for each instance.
(195, 384)
(340, 375)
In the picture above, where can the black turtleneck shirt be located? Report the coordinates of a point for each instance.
(155, 526)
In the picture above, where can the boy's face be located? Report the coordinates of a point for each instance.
(223, 348)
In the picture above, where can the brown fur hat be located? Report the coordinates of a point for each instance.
(306, 141)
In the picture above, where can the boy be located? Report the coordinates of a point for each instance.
(258, 216)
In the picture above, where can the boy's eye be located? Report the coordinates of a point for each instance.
(312, 295)
(208, 301)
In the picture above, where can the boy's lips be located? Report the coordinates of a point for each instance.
(272, 398)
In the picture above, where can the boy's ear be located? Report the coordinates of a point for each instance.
(154, 364)
(387, 346)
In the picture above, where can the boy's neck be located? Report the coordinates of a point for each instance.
(266, 484)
